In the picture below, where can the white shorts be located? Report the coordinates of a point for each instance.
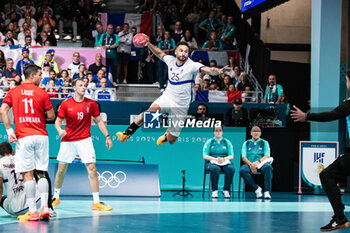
(176, 113)
(32, 152)
(84, 148)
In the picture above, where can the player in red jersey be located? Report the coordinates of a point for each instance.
(76, 139)
(31, 107)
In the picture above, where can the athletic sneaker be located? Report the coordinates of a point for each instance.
(267, 195)
(122, 136)
(335, 224)
(55, 202)
(214, 194)
(258, 192)
(226, 194)
(101, 206)
(44, 213)
(29, 216)
(162, 139)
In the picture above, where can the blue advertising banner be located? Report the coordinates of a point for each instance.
(114, 180)
(185, 154)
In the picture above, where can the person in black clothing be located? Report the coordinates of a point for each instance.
(237, 116)
(95, 67)
(339, 169)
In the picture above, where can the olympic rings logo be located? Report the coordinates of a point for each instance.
(110, 179)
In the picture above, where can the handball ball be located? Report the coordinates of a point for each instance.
(139, 40)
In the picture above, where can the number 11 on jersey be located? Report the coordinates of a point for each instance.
(26, 103)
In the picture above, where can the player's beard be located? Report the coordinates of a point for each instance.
(182, 58)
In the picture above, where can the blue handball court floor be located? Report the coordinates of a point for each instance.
(285, 212)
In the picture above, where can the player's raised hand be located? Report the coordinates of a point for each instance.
(297, 115)
(109, 143)
(225, 69)
(62, 133)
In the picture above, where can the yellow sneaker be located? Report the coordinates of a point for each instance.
(44, 213)
(162, 139)
(101, 206)
(122, 136)
(29, 216)
(55, 202)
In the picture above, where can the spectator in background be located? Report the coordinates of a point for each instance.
(213, 44)
(10, 73)
(206, 82)
(73, 68)
(254, 152)
(46, 19)
(218, 153)
(124, 50)
(50, 88)
(13, 27)
(49, 58)
(50, 35)
(247, 95)
(210, 24)
(190, 40)
(10, 42)
(110, 42)
(160, 35)
(273, 91)
(89, 93)
(178, 34)
(81, 74)
(28, 8)
(237, 116)
(202, 112)
(91, 84)
(235, 78)
(28, 41)
(59, 82)
(100, 75)
(32, 24)
(167, 46)
(23, 62)
(2, 61)
(46, 68)
(100, 32)
(197, 87)
(214, 86)
(68, 19)
(231, 87)
(148, 61)
(135, 68)
(95, 67)
(105, 94)
(225, 83)
(192, 20)
(64, 75)
(231, 64)
(41, 38)
(9, 35)
(214, 78)
(118, 29)
(21, 36)
(242, 83)
(228, 33)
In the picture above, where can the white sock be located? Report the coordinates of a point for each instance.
(43, 187)
(96, 197)
(57, 193)
(29, 190)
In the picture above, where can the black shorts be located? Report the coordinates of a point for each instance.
(123, 58)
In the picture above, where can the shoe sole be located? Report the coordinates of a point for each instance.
(45, 217)
(345, 225)
(121, 137)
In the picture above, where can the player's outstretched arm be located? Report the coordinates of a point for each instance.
(155, 50)
(213, 70)
(58, 126)
(98, 120)
(5, 108)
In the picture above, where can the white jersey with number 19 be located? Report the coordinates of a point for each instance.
(181, 80)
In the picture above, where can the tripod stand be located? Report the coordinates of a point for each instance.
(183, 192)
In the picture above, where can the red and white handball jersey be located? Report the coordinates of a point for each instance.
(78, 118)
(29, 104)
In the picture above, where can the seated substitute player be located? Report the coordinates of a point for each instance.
(15, 201)
(76, 139)
(179, 93)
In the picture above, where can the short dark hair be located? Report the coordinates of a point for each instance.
(203, 104)
(28, 37)
(30, 69)
(76, 80)
(348, 73)
(182, 43)
(5, 148)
